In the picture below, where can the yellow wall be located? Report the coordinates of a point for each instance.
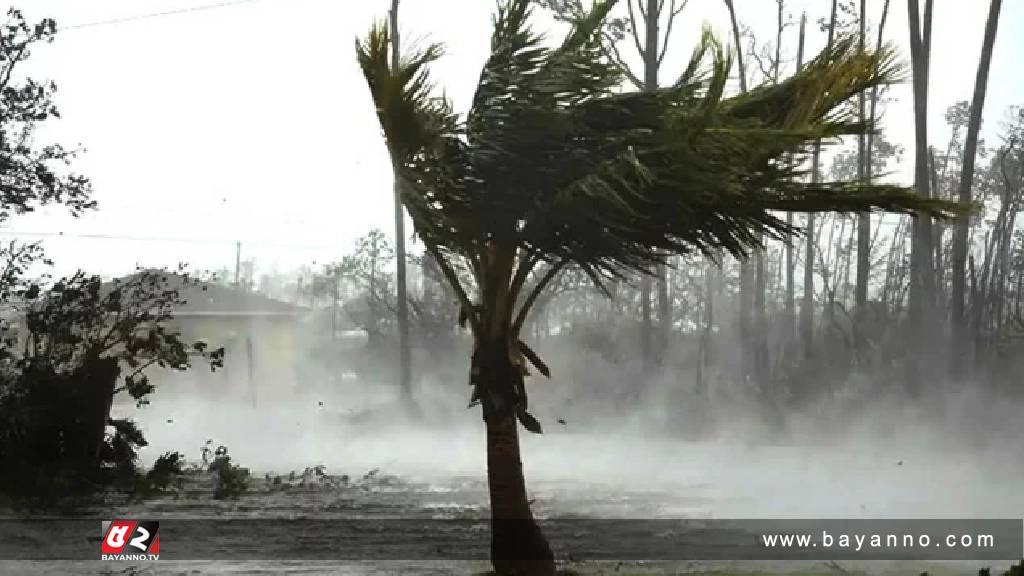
(274, 356)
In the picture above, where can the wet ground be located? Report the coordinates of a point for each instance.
(374, 468)
(311, 494)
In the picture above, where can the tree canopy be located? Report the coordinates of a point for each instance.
(31, 175)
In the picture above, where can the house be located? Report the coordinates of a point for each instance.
(259, 335)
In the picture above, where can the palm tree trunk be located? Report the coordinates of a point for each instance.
(517, 544)
(962, 231)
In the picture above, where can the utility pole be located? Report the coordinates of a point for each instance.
(238, 262)
(404, 353)
(253, 388)
(336, 277)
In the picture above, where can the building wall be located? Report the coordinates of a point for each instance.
(260, 359)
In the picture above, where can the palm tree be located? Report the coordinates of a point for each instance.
(557, 165)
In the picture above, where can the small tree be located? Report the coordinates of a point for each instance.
(67, 348)
(556, 165)
(366, 269)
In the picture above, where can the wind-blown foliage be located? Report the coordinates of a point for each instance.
(75, 346)
(555, 163)
(30, 175)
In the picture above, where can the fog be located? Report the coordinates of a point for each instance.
(671, 453)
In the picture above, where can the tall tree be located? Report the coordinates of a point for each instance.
(649, 53)
(922, 270)
(807, 305)
(401, 280)
(747, 274)
(962, 231)
(865, 155)
(873, 114)
(760, 332)
(863, 220)
(556, 166)
(790, 256)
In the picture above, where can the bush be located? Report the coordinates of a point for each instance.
(230, 480)
(168, 469)
(84, 342)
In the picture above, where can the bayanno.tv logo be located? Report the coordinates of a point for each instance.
(130, 540)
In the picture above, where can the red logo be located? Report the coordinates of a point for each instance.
(130, 540)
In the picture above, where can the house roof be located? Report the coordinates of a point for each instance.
(208, 299)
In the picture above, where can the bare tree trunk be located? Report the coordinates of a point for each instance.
(938, 232)
(652, 62)
(739, 45)
(404, 352)
(863, 219)
(664, 315)
(790, 256)
(869, 152)
(746, 317)
(760, 327)
(747, 347)
(649, 54)
(760, 335)
(646, 350)
(960, 344)
(710, 287)
(922, 276)
(807, 307)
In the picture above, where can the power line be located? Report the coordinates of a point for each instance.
(217, 241)
(151, 15)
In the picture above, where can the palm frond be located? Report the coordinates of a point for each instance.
(411, 117)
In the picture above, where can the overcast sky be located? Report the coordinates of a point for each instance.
(251, 122)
